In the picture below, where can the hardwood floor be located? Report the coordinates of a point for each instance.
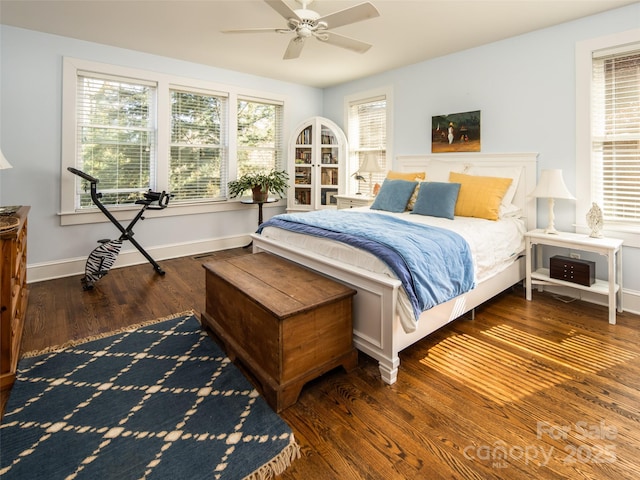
(541, 389)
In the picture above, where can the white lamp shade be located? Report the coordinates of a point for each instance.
(370, 164)
(551, 185)
(4, 163)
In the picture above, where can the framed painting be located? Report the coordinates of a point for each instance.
(457, 132)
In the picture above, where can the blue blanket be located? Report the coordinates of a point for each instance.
(433, 264)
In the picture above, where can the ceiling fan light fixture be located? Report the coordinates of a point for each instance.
(304, 31)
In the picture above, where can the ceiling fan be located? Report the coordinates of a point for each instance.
(306, 23)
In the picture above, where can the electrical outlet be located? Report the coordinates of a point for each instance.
(575, 255)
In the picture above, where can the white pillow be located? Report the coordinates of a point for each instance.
(510, 211)
(505, 172)
(438, 171)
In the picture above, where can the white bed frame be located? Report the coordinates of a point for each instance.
(376, 327)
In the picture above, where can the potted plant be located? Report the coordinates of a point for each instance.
(261, 184)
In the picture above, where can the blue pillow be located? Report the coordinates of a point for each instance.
(394, 195)
(437, 199)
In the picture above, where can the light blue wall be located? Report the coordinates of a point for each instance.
(524, 87)
(525, 90)
(30, 134)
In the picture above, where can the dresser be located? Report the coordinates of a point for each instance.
(13, 295)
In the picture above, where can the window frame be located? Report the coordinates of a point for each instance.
(222, 146)
(68, 213)
(353, 153)
(85, 125)
(584, 54)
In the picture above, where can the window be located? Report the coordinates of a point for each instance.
(137, 130)
(615, 135)
(116, 137)
(198, 146)
(608, 133)
(368, 127)
(259, 136)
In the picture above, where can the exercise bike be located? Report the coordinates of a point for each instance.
(102, 258)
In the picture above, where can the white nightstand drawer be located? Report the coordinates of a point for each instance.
(353, 201)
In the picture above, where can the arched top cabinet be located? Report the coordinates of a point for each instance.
(317, 165)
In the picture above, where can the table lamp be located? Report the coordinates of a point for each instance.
(4, 163)
(551, 186)
(370, 165)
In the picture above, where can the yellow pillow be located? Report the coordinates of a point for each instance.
(479, 196)
(411, 177)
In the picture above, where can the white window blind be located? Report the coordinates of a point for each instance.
(259, 136)
(116, 137)
(368, 135)
(198, 158)
(615, 110)
(137, 130)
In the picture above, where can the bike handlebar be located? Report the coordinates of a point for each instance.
(80, 173)
(162, 199)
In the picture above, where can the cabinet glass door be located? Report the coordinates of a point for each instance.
(329, 170)
(304, 167)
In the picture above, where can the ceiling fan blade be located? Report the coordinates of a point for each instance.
(294, 48)
(354, 14)
(282, 8)
(252, 30)
(344, 42)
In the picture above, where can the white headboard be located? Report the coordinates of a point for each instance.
(460, 162)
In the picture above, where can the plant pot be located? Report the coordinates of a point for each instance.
(259, 195)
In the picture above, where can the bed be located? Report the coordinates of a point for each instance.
(381, 327)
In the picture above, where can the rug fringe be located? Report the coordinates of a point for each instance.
(74, 343)
(278, 464)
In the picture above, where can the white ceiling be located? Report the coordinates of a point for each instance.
(406, 32)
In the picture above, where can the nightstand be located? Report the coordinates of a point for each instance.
(353, 201)
(608, 247)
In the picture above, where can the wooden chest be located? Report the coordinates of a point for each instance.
(582, 272)
(285, 324)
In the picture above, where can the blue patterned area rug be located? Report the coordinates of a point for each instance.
(156, 401)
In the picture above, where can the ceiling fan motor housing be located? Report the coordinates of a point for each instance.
(306, 23)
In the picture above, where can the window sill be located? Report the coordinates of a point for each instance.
(128, 213)
(630, 234)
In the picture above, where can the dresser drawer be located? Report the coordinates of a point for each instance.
(582, 272)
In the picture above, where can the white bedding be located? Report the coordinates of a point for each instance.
(494, 246)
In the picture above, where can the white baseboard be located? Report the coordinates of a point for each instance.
(630, 298)
(75, 266)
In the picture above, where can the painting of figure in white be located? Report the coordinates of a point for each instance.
(458, 132)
